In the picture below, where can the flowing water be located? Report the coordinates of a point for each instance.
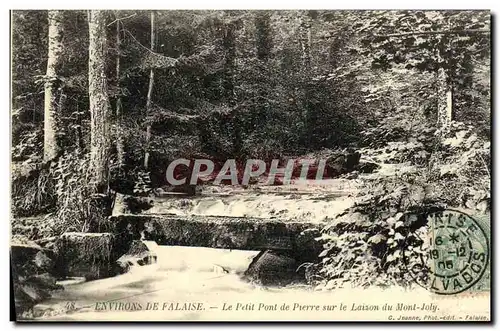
(202, 284)
(192, 275)
(182, 275)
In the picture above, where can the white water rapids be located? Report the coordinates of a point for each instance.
(192, 274)
(203, 284)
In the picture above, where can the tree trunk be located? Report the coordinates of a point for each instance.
(264, 38)
(100, 109)
(306, 40)
(444, 89)
(228, 42)
(51, 146)
(263, 44)
(229, 46)
(445, 99)
(120, 151)
(150, 94)
(306, 45)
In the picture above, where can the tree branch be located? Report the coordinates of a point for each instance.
(433, 32)
(146, 48)
(122, 18)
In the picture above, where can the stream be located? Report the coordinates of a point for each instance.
(207, 279)
(206, 284)
(183, 275)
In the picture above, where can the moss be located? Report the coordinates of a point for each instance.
(217, 231)
(89, 255)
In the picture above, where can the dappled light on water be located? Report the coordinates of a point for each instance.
(187, 278)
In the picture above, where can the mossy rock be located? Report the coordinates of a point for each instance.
(273, 268)
(89, 255)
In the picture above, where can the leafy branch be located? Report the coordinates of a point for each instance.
(417, 33)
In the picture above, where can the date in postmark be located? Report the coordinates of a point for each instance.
(450, 253)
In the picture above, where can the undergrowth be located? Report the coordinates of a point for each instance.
(363, 246)
(60, 193)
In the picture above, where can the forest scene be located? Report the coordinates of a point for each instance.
(397, 102)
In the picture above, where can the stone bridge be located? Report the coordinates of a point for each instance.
(286, 244)
(220, 231)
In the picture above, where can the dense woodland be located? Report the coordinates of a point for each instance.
(102, 101)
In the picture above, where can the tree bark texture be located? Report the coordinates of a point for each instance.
(120, 150)
(51, 146)
(150, 94)
(444, 93)
(100, 108)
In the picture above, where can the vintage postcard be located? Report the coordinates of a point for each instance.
(251, 165)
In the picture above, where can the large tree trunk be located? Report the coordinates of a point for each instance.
(51, 146)
(100, 109)
(120, 151)
(150, 94)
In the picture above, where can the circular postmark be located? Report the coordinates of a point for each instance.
(448, 254)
